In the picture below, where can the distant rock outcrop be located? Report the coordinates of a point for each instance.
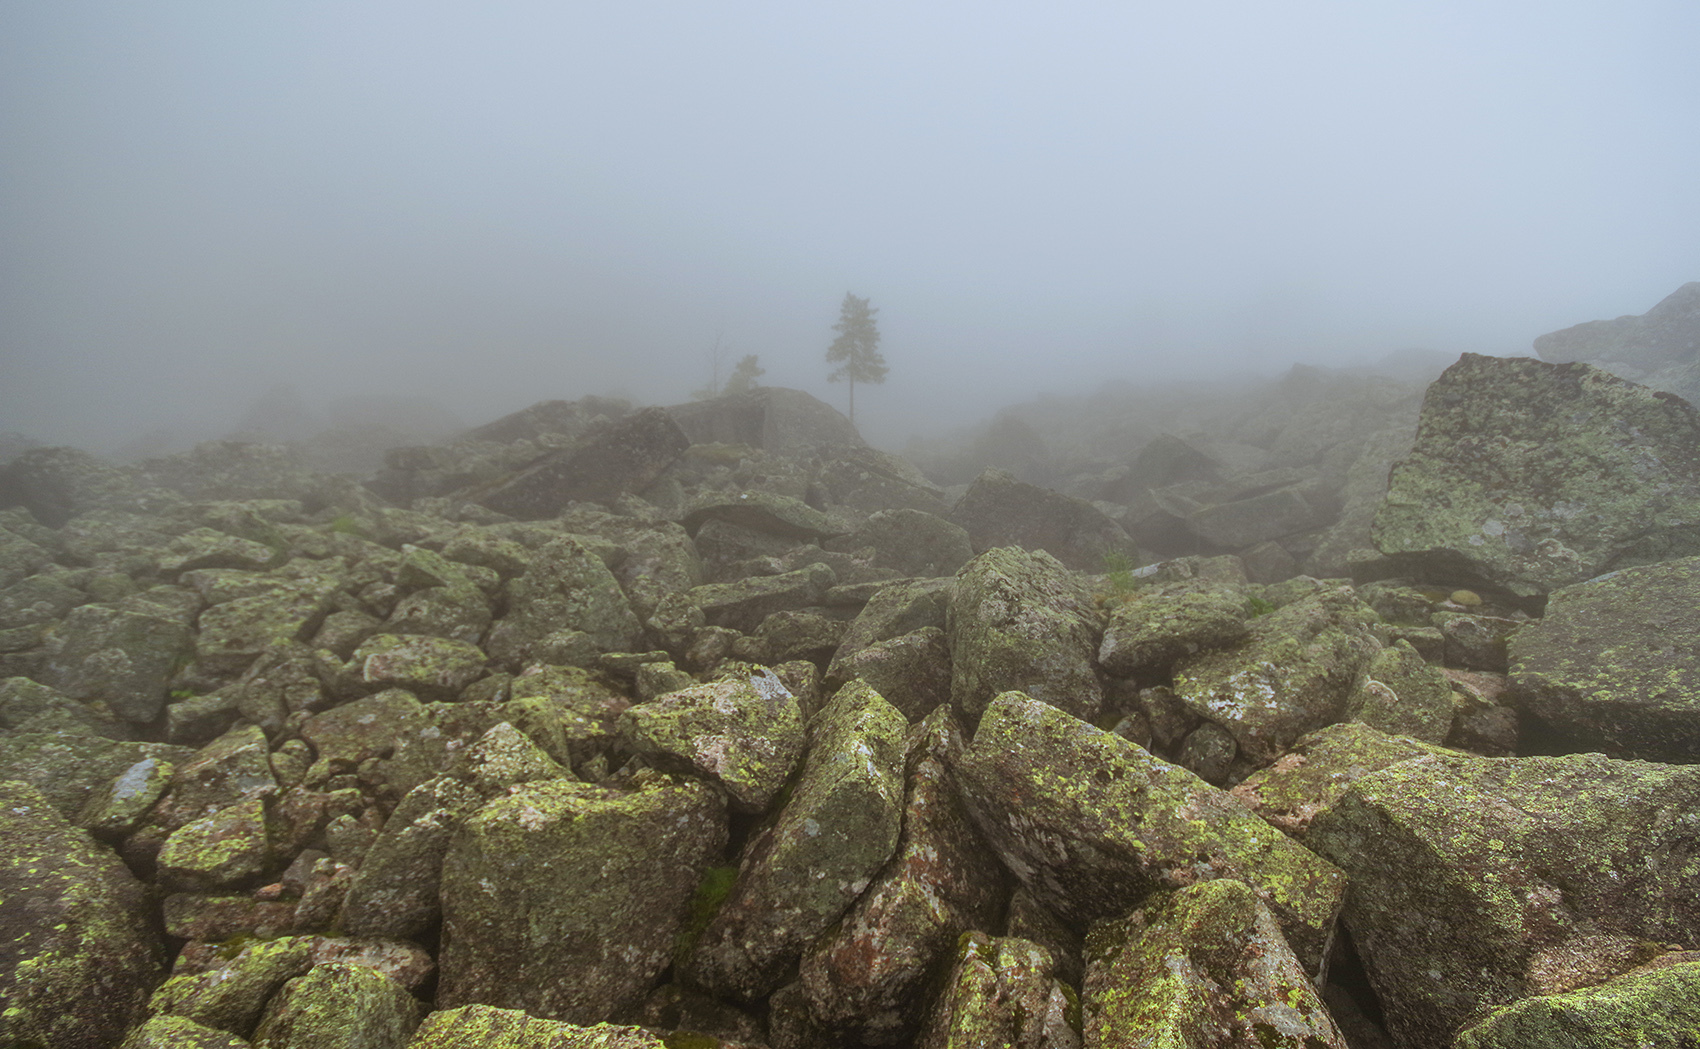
(1659, 348)
(772, 418)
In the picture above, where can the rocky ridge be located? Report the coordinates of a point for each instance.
(714, 726)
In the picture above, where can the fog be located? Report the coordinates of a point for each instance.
(494, 204)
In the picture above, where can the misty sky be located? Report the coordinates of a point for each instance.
(497, 203)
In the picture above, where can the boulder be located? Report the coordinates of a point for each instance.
(744, 604)
(231, 995)
(774, 419)
(219, 851)
(1404, 696)
(487, 1026)
(563, 899)
(910, 542)
(1292, 675)
(340, 1006)
(1667, 334)
(78, 954)
(1615, 663)
(434, 667)
(895, 609)
(1655, 1006)
(1528, 476)
(1147, 635)
(1205, 966)
(868, 480)
(1472, 875)
(1319, 768)
(1001, 991)
(396, 891)
(1257, 519)
(180, 1032)
(72, 770)
(57, 484)
(567, 589)
(912, 671)
(767, 513)
(800, 874)
(609, 459)
(1020, 620)
(122, 658)
(1092, 824)
(999, 510)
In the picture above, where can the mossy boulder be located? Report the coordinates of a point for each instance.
(1092, 824)
(1202, 966)
(233, 634)
(1001, 510)
(1528, 476)
(566, 588)
(1615, 663)
(1403, 695)
(744, 604)
(767, 512)
(1291, 675)
(434, 667)
(910, 542)
(78, 951)
(223, 850)
(123, 658)
(1469, 875)
(1002, 991)
(340, 1006)
(396, 891)
(912, 672)
(1145, 636)
(895, 609)
(1019, 620)
(1319, 768)
(1657, 1007)
(727, 731)
(868, 976)
(563, 899)
(231, 995)
(488, 1027)
(70, 770)
(799, 875)
(180, 1032)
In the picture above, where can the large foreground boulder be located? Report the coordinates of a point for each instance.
(1475, 880)
(78, 952)
(1529, 476)
(1615, 663)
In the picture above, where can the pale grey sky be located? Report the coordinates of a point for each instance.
(496, 203)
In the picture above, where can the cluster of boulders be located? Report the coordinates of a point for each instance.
(713, 726)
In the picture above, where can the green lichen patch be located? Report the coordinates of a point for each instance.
(340, 1006)
(232, 995)
(1658, 1008)
(746, 740)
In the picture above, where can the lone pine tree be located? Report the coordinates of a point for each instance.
(856, 351)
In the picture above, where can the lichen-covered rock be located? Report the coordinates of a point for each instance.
(727, 731)
(767, 512)
(1001, 992)
(233, 634)
(1403, 696)
(1292, 674)
(114, 810)
(564, 899)
(567, 588)
(396, 890)
(434, 667)
(867, 976)
(744, 604)
(1615, 663)
(872, 481)
(570, 712)
(784, 636)
(1318, 769)
(57, 484)
(624, 455)
(1019, 620)
(505, 757)
(912, 672)
(222, 850)
(1145, 637)
(998, 510)
(340, 1006)
(1202, 966)
(799, 875)
(233, 768)
(910, 542)
(1093, 824)
(209, 548)
(369, 727)
(895, 609)
(487, 1027)
(69, 769)
(1656, 1007)
(232, 995)
(1471, 874)
(1531, 476)
(180, 1032)
(119, 657)
(78, 954)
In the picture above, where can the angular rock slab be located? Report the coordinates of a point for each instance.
(746, 740)
(1147, 636)
(563, 899)
(797, 877)
(624, 456)
(1615, 662)
(1651, 1007)
(567, 587)
(487, 1027)
(869, 974)
(1292, 675)
(396, 891)
(339, 1006)
(1000, 510)
(1093, 823)
(1019, 620)
(1002, 991)
(1206, 967)
(122, 658)
(78, 952)
(1470, 875)
(1533, 476)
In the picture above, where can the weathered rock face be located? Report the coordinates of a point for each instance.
(57, 484)
(78, 956)
(799, 875)
(1471, 875)
(1658, 1005)
(1201, 966)
(1092, 824)
(772, 418)
(1001, 991)
(1019, 620)
(1615, 663)
(567, 589)
(1669, 333)
(1529, 476)
(999, 510)
(623, 456)
(563, 899)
